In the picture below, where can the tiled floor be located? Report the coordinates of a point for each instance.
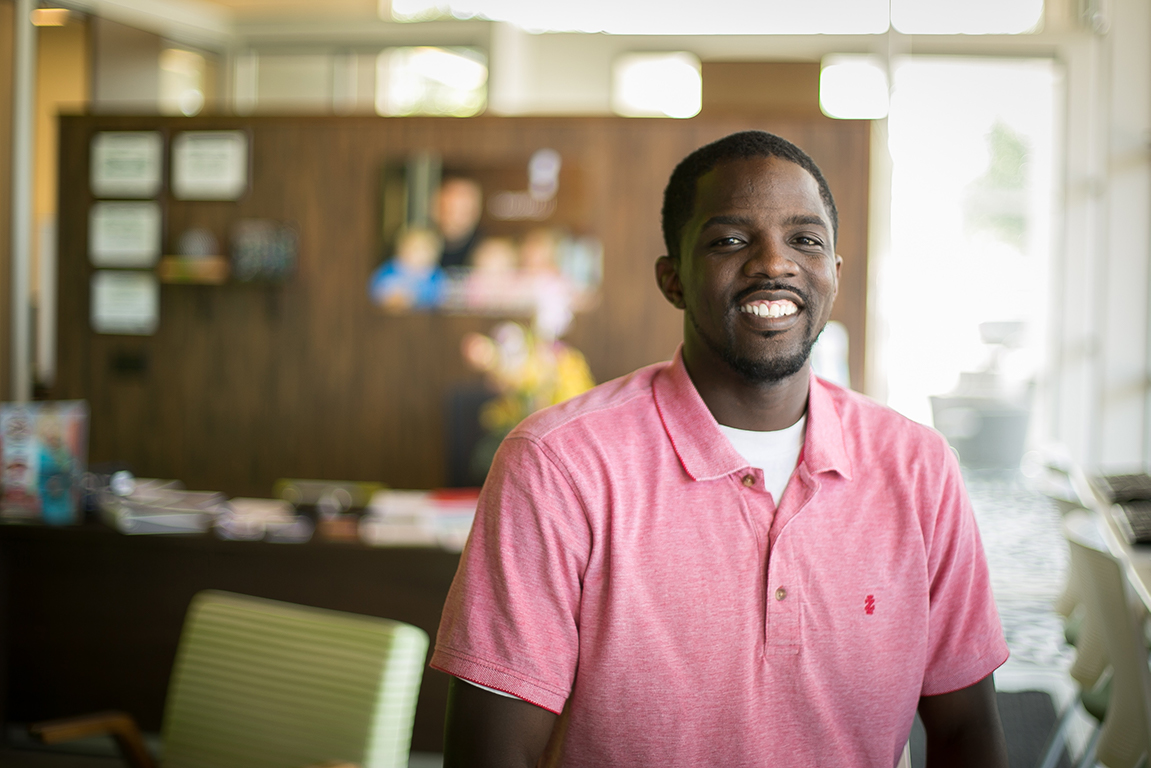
(1027, 559)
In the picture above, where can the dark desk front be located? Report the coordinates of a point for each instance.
(91, 617)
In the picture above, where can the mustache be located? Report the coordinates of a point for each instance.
(770, 285)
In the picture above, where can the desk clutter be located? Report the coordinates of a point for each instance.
(331, 511)
(43, 454)
(1130, 496)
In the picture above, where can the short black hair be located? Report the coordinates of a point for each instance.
(679, 196)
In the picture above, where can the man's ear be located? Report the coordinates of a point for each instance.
(667, 276)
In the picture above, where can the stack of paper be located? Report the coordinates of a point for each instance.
(420, 518)
(160, 506)
(269, 519)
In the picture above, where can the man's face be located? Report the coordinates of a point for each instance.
(757, 272)
(458, 207)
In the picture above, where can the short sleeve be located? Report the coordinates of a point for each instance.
(965, 640)
(511, 618)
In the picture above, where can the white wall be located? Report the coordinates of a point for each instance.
(125, 68)
(1099, 384)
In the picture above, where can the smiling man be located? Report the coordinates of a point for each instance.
(724, 560)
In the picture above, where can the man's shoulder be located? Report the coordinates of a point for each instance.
(625, 397)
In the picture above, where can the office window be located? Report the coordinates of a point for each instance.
(431, 81)
(973, 188)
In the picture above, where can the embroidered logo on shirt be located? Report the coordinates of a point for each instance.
(869, 605)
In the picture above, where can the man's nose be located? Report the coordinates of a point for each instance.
(770, 258)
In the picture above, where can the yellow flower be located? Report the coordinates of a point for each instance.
(573, 377)
(528, 374)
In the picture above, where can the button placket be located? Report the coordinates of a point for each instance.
(782, 633)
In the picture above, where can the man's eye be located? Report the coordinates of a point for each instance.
(724, 242)
(808, 241)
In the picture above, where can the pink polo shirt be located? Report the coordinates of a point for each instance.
(628, 571)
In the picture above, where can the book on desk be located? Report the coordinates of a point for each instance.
(1130, 496)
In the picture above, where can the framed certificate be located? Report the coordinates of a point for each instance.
(209, 165)
(123, 234)
(125, 302)
(126, 164)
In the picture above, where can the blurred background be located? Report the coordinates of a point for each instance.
(271, 242)
(1002, 180)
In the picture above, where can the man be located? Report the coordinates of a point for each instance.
(631, 579)
(457, 208)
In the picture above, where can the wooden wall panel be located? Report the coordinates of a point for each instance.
(243, 383)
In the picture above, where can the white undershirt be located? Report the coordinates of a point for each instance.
(774, 453)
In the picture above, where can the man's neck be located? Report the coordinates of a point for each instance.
(761, 406)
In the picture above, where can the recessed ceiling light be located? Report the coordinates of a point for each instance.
(853, 87)
(50, 17)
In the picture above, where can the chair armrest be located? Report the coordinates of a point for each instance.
(118, 725)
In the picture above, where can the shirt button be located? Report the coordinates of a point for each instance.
(780, 593)
(749, 480)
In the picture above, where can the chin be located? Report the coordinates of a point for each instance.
(768, 368)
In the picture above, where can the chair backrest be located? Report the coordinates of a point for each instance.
(1125, 736)
(1091, 658)
(264, 684)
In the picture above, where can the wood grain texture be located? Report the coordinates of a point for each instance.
(243, 383)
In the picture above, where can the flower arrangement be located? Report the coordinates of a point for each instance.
(528, 372)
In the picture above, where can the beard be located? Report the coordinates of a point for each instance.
(758, 370)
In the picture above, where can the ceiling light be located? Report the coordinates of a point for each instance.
(669, 17)
(971, 17)
(50, 17)
(853, 87)
(430, 81)
(656, 85)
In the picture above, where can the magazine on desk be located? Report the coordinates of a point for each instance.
(1134, 521)
(1120, 489)
(43, 452)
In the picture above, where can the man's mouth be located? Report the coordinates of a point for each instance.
(780, 308)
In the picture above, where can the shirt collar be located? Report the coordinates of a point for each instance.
(704, 451)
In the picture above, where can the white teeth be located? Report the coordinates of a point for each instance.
(772, 309)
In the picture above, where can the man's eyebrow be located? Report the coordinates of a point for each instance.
(807, 219)
(804, 219)
(726, 219)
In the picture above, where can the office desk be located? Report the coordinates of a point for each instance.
(91, 617)
(1135, 560)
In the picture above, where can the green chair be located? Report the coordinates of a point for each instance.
(1084, 630)
(264, 684)
(1125, 735)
